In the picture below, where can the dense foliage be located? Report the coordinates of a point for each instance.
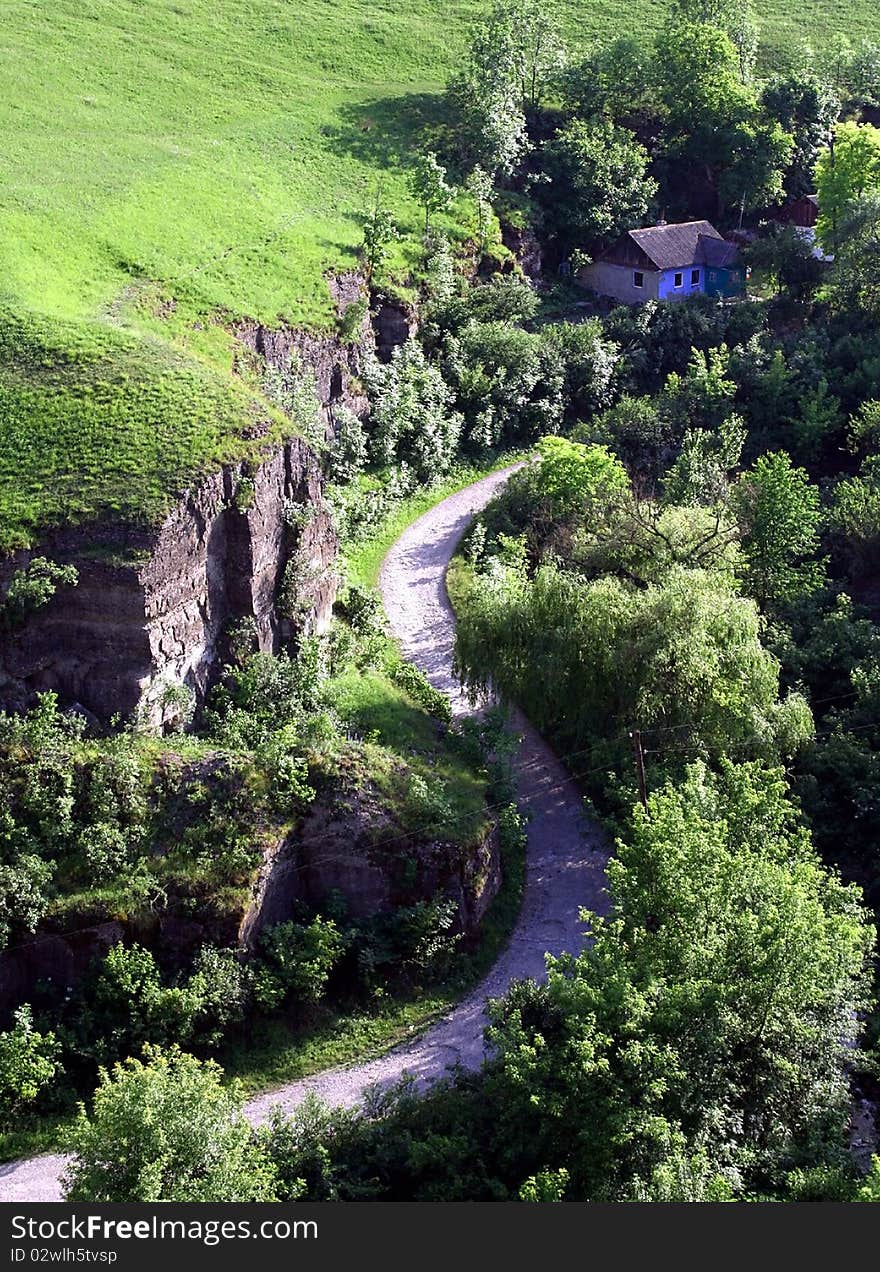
(695, 1051)
(167, 1130)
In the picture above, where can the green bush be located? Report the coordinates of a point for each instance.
(166, 1130)
(31, 588)
(29, 1062)
(302, 957)
(417, 685)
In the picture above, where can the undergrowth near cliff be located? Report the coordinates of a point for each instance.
(143, 852)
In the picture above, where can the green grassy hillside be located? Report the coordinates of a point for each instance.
(164, 165)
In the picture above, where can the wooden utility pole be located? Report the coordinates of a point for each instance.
(639, 754)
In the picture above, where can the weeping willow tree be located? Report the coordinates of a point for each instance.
(588, 660)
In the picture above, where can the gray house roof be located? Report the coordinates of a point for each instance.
(716, 252)
(674, 247)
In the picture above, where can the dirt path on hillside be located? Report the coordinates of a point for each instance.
(565, 860)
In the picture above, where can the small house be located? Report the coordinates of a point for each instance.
(802, 215)
(667, 262)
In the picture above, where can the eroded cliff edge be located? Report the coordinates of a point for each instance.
(153, 609)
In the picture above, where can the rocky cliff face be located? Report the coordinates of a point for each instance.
(151, 610)
(336, 359)
(526, 247)
(349, 845)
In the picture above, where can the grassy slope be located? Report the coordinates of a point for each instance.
(226, 147)
(217, 152)
(94, 420)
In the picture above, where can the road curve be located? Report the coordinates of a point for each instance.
(565, 865)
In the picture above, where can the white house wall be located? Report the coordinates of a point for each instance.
(617, 281)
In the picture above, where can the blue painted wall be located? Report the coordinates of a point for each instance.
(668, 289)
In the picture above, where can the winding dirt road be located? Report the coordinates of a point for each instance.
(565, 859)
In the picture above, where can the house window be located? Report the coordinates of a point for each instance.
(712, 276)
(695, 278)
(734, 276)
(678, 280)
(638, 278)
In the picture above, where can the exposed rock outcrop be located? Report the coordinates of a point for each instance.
(151, 609)
(335, 358)
(393, 324)
(524, 244)
(352, 846)
(60, 961)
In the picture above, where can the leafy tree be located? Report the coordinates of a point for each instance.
(854, 71)
(864, 73)
(736, 18)
(486, 99)
(709, 1017)
(220, 989)
(717, 134)
(701, 473)
(28, 1062)
(302, 956)
(504, 298)
(547, 1185)
(681, 656)
(129, 1005)
(659, 338)
(24, 893)
(703, 396)
(636, 431)
(864, 427)
(854, 517)
(508, 383)
(166, 1129)
(515, 56)
(428, 184)
(743, 31)
(846, 170)
(411, 421)
(567, 480)
(817, 420)
(779, 513)
(380, 231)
(613, 80)
(348, 451)
(805, 106)
(31, 588)
(788, 259)
(590, 365)
(529, 29)
(480, 186)
(855, 275)
(870, 1189)
(599, 180)
(698, 76)
(833, 61)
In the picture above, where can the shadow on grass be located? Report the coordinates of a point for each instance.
(385, 133)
